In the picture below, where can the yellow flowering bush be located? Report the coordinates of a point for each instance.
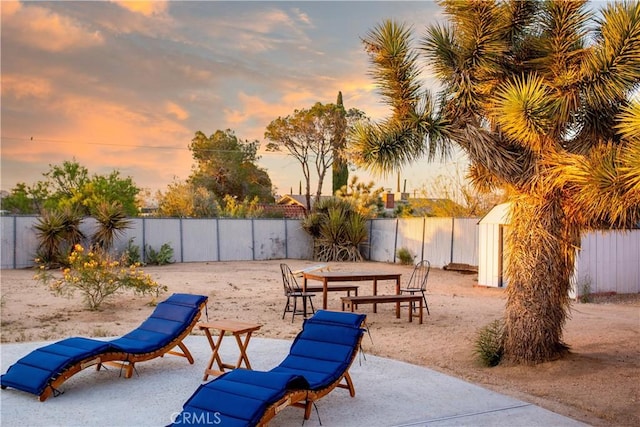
(98, 276)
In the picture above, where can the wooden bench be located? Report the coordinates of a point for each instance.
(334, 288)
(352, 303)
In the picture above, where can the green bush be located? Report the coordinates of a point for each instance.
(405, 256)
(132, 254)
(489, 346)
(161, 257)
(338, 230)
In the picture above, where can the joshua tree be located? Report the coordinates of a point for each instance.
(544, 100)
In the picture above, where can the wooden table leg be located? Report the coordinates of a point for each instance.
(215, 357)
(398, 293)
(243, 350)
(325, 291)
(375, 292)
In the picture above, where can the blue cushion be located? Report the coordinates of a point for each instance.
(239, 397)
(353, 320)
(167, 322)
(319, 356)
(34, 371)
(189, 300)
(176, 312)
(323, 349)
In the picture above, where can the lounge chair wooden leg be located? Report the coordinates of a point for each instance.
(128, 370)
(352, 389)
(307, 409)
(186, 352)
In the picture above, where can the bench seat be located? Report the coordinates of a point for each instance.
(352, 302)
(334, 288)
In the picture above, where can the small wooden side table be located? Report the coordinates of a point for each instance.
(240, 330)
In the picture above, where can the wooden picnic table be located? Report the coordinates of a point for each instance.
(337, 276)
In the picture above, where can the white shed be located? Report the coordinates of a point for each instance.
(608, 262)
(491, 230)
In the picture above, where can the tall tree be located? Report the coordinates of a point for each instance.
(340, 165)
(311, 137)
(540, 97)
(225, 165)
(70, 187)
(182, 199)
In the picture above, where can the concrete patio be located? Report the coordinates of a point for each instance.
(388, 393)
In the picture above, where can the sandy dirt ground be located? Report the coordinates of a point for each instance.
(598, 383)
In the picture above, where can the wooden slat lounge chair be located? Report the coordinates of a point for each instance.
(43, 371)
(318, 362)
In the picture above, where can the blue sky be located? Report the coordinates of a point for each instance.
(125, 85)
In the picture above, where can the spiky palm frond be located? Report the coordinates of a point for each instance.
(525, 110)
(396, 70)
(601, 195)
(112, 222)
(415, 128)
(629, 128)
(613, 65)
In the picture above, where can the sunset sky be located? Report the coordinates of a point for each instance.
(125, 85)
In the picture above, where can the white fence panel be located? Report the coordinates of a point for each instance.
(299, 242)
(159, 231)
(18, 241)
(465, 241)
(437, 241)
(269, 241)
(199, 240)
(411, 236)
(236, 241)
(8, 241)
(608, 262)
(133, 234)
(382, 240)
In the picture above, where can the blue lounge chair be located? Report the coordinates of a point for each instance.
(318, 362)
(42, 371)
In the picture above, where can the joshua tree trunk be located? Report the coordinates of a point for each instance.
(541, 247)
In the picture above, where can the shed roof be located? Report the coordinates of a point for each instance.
(498, 215)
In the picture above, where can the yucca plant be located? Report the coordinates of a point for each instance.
(57, 233)
(337, 229)
(112, 222)
(543, 99)
(489, 344)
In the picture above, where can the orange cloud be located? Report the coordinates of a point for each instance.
(146, 8)
(25, 87)
(41, 28)
(177, 111)
(104, 136)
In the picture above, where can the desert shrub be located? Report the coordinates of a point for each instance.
(97, 276)
(337, 230)
(585, 291)
(489, 345)
(160, 257)
(57, 232)
(132, 253)
(405, 256)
